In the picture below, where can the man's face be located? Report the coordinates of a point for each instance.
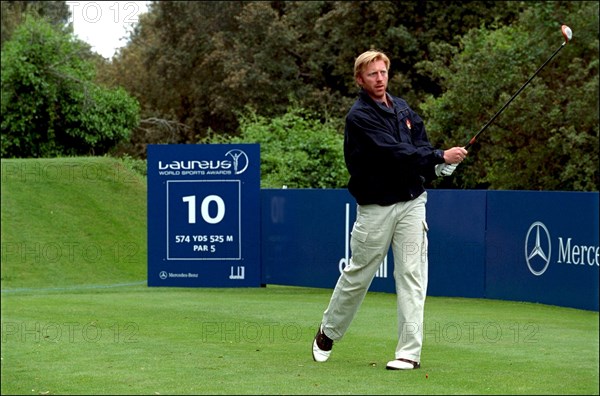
(374, 79)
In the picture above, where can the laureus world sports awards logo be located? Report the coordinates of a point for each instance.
(240, 160)
(235, 162)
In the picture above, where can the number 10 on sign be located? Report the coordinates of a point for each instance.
(203, 220)
(204, 209)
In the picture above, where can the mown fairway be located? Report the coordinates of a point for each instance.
(77, 317)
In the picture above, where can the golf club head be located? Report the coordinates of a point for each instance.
(566, 32)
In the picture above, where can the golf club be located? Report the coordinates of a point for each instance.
(567, 34)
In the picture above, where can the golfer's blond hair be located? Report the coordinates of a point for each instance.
(367, 58)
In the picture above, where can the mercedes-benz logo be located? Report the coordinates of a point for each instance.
(163, 275)
(538, 250)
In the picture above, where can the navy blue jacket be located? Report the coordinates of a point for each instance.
(387, 152)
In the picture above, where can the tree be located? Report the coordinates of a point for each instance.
(50, 107)
(14, 12)
(198, 63)
(298, 150)
(547, 139)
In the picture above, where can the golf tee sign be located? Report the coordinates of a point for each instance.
(204, 215)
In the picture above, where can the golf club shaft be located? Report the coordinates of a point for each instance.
(511, 99)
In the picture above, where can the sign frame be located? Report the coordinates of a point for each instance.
(203, 205)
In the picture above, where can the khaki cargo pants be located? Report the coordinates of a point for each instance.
(404, 227)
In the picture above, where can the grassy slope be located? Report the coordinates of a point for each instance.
(72, 221)
(70, 225)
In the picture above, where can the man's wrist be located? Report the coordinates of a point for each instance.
(439, 155)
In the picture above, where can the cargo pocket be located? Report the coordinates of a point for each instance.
(360, 236)
(357, 243)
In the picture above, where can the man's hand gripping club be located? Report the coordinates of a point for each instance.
(452, 157)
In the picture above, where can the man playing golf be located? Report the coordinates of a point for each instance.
(389, 158)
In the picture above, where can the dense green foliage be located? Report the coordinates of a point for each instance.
(194, 67)
(297, 150)
(548, 137)
(13, 14)
(199, 64)
(50, 105)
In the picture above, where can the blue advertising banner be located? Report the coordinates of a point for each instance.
(457, 226)
(305, 234)
(306, 240)
(204, 215)
(512, 245)
(543, 249)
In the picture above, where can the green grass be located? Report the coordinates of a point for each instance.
(83, 323)
(71, 221)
